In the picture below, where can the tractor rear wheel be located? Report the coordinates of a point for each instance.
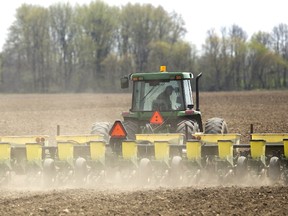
(102, 128)
(187, 127)
(216, 126)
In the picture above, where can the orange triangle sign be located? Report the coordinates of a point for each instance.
(156, 118)
(118, 130)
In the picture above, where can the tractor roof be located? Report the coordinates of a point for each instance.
(161, 76)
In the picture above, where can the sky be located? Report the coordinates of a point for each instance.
(199, 15)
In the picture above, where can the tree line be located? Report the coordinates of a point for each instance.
(87, 48)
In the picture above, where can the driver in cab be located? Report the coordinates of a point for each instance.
(165, 96)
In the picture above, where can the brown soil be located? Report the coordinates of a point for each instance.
(75, 113)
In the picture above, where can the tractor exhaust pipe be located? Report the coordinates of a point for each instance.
(197, 91)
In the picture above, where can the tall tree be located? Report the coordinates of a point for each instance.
(144, 25)
(261, 59)
(97, 30)
(62, 31)
(179, 56)
(238, 52)
(31, 25)
(211, 63)
(280, 46)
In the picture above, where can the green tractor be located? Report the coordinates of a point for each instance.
(169, 94)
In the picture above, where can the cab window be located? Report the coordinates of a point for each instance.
(147, 95)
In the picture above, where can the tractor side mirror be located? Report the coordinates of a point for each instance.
(124, 82)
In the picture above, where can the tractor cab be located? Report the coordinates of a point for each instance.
(169, 95)
(161, 91)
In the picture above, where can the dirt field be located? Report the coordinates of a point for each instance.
(40, 114)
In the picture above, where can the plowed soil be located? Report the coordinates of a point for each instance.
(75, 114)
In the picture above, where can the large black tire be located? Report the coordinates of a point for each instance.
(187, 127)
(102, 128)
(215, 126)
(131, 128)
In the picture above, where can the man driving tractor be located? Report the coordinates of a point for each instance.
(165, 97)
